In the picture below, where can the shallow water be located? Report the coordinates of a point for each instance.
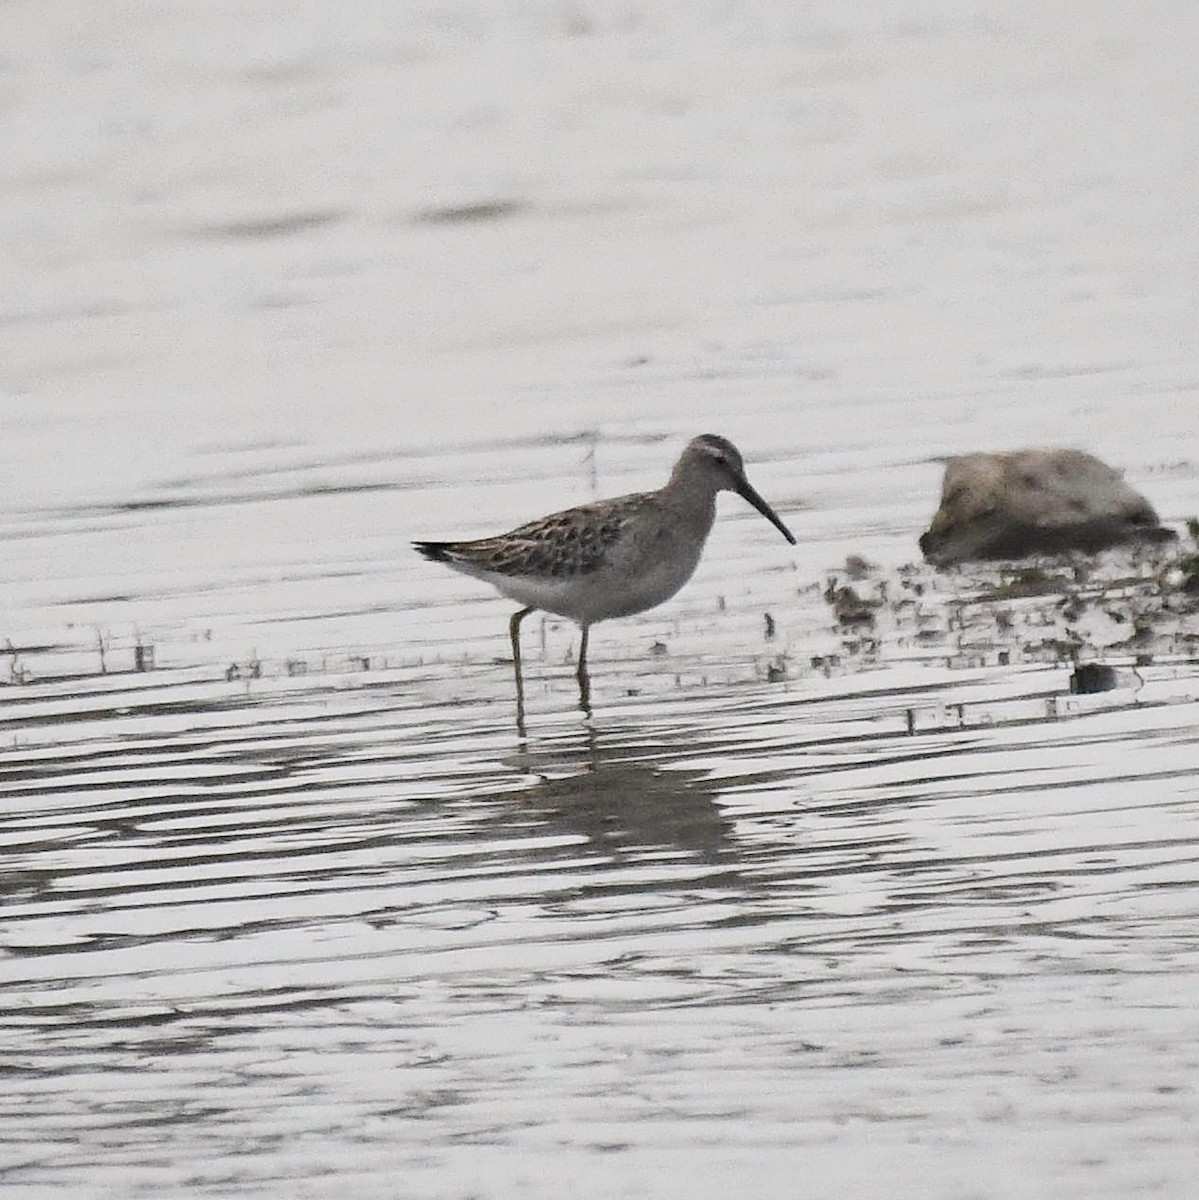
(876, 908)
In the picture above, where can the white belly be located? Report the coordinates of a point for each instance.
(628, 583)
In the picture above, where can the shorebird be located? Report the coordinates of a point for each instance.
(611, 558)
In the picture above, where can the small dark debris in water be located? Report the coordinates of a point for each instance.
(143, 657)
(1004, 657)
(769, 627)
(721, 605)
(825, 662)
(849, 609)
(857, 567)
(1072, 608)
(1142, 630)
(248, 670)
(1092, 677)
(361, 661)
(1058, 650)
(910, 580)
(776, 671)
(954, 618)
(296, 666)
(458, 214)
(1188, 568)
(1026, 582)
(658, 649)
(864, 648)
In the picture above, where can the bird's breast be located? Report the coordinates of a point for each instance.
(649, 561)
(642, 572)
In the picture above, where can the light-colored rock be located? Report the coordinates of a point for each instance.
(1034, 502)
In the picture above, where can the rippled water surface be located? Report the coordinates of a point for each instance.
(819, 901)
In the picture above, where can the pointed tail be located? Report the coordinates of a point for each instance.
(434, 551)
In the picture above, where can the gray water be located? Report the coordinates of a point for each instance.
(806, 907)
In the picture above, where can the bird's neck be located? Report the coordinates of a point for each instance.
(691, 502)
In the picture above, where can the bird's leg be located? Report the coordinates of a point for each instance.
(514, 632)
(581, 673)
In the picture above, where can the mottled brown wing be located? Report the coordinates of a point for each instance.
(574, 542)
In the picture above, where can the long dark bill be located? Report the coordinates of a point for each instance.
(745, 489)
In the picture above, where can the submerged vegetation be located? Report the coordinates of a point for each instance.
(1138, 603)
